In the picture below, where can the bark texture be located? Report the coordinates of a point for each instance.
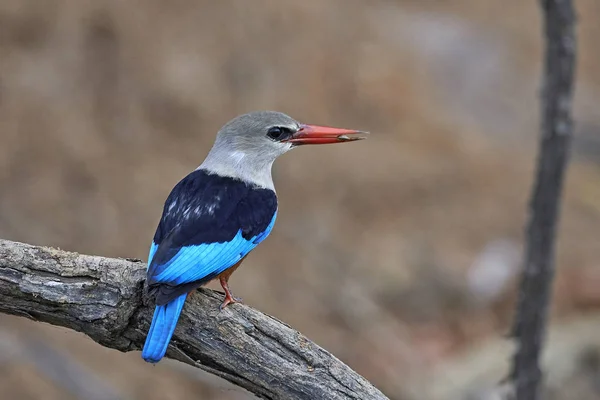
(104, 298)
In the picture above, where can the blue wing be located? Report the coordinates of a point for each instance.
(195, 262)
(211, 223)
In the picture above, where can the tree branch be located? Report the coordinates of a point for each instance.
(103, 298)
(556, 133)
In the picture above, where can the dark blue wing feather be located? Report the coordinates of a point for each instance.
(209, 223)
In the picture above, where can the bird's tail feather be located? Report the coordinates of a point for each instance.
(162, 328)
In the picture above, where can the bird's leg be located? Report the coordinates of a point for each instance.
(224, 280)
(229, 299)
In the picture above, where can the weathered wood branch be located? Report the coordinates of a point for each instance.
(104, 298)
(555, 141)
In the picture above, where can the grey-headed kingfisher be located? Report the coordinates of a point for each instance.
(220, 212)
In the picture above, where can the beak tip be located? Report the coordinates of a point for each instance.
(356, 135)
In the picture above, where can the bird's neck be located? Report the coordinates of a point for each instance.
(239, 165)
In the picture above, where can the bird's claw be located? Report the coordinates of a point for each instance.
(229, 300)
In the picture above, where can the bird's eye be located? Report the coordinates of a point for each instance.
(278, 132)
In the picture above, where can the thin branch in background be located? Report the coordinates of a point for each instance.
(555, 141)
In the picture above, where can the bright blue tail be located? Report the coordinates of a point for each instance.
(162, 328)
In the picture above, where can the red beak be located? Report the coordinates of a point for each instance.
(315, 134)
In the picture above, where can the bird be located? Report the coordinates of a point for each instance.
(218, 213)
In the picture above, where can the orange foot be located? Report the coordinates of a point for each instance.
(229, 299)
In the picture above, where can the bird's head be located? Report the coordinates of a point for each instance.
(269, 134)
(250, 143)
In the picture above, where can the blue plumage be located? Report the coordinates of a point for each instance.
(153, 249)
(209, 224)
(162, 328)
(192, 263)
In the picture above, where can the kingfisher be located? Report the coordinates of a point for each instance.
(217, 214)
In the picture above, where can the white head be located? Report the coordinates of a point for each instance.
(247, 146)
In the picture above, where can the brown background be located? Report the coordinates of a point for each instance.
(398, 254)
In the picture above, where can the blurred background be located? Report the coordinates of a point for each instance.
(398, 254)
